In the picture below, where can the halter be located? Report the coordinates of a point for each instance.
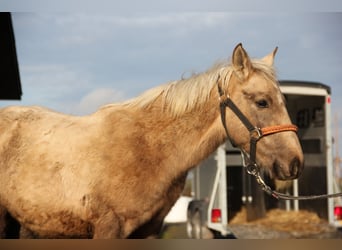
(255, 134)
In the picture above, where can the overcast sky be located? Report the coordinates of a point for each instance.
(74, 61)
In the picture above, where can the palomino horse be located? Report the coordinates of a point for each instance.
(116, 173)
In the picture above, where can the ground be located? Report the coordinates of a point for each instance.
(278, 224)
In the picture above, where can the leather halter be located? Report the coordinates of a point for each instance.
(255, 133)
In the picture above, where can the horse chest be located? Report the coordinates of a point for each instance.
(150, 210)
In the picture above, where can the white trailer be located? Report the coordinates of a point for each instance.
(221, 186)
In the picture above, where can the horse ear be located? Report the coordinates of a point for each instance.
(269, 59)
(241, 62)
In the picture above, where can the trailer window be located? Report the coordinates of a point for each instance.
(303, 118)
(318, 117)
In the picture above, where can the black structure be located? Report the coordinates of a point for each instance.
(10, 86)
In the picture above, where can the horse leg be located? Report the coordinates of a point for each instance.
(153, 227)
(26, 233)
(107, 226)
(3, 225)
(150, 229)
(9, 227)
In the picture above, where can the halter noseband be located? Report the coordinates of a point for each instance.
(255, 133)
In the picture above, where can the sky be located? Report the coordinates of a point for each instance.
(74, 59)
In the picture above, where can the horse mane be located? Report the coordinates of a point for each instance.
(184, 95)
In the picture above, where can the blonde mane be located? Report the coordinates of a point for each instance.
(183, 95)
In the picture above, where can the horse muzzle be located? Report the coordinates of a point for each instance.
(288, 171)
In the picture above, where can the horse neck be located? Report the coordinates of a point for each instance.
(188, 138)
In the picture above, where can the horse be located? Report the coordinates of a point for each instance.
(117, 172)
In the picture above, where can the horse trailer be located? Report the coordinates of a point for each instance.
(221, 186)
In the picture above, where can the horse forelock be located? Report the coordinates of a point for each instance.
(264, 69)
(178, 97)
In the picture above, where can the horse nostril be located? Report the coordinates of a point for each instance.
(295, 167)
(287, 172)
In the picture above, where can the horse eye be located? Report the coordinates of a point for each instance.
(262, 103)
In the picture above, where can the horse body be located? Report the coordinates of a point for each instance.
(60, 168)
(116, 173)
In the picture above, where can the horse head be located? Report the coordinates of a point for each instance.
(251, 86)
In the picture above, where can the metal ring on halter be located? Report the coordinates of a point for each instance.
(255, 134)
(252, 169)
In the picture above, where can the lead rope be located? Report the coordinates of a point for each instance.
(281, 196)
